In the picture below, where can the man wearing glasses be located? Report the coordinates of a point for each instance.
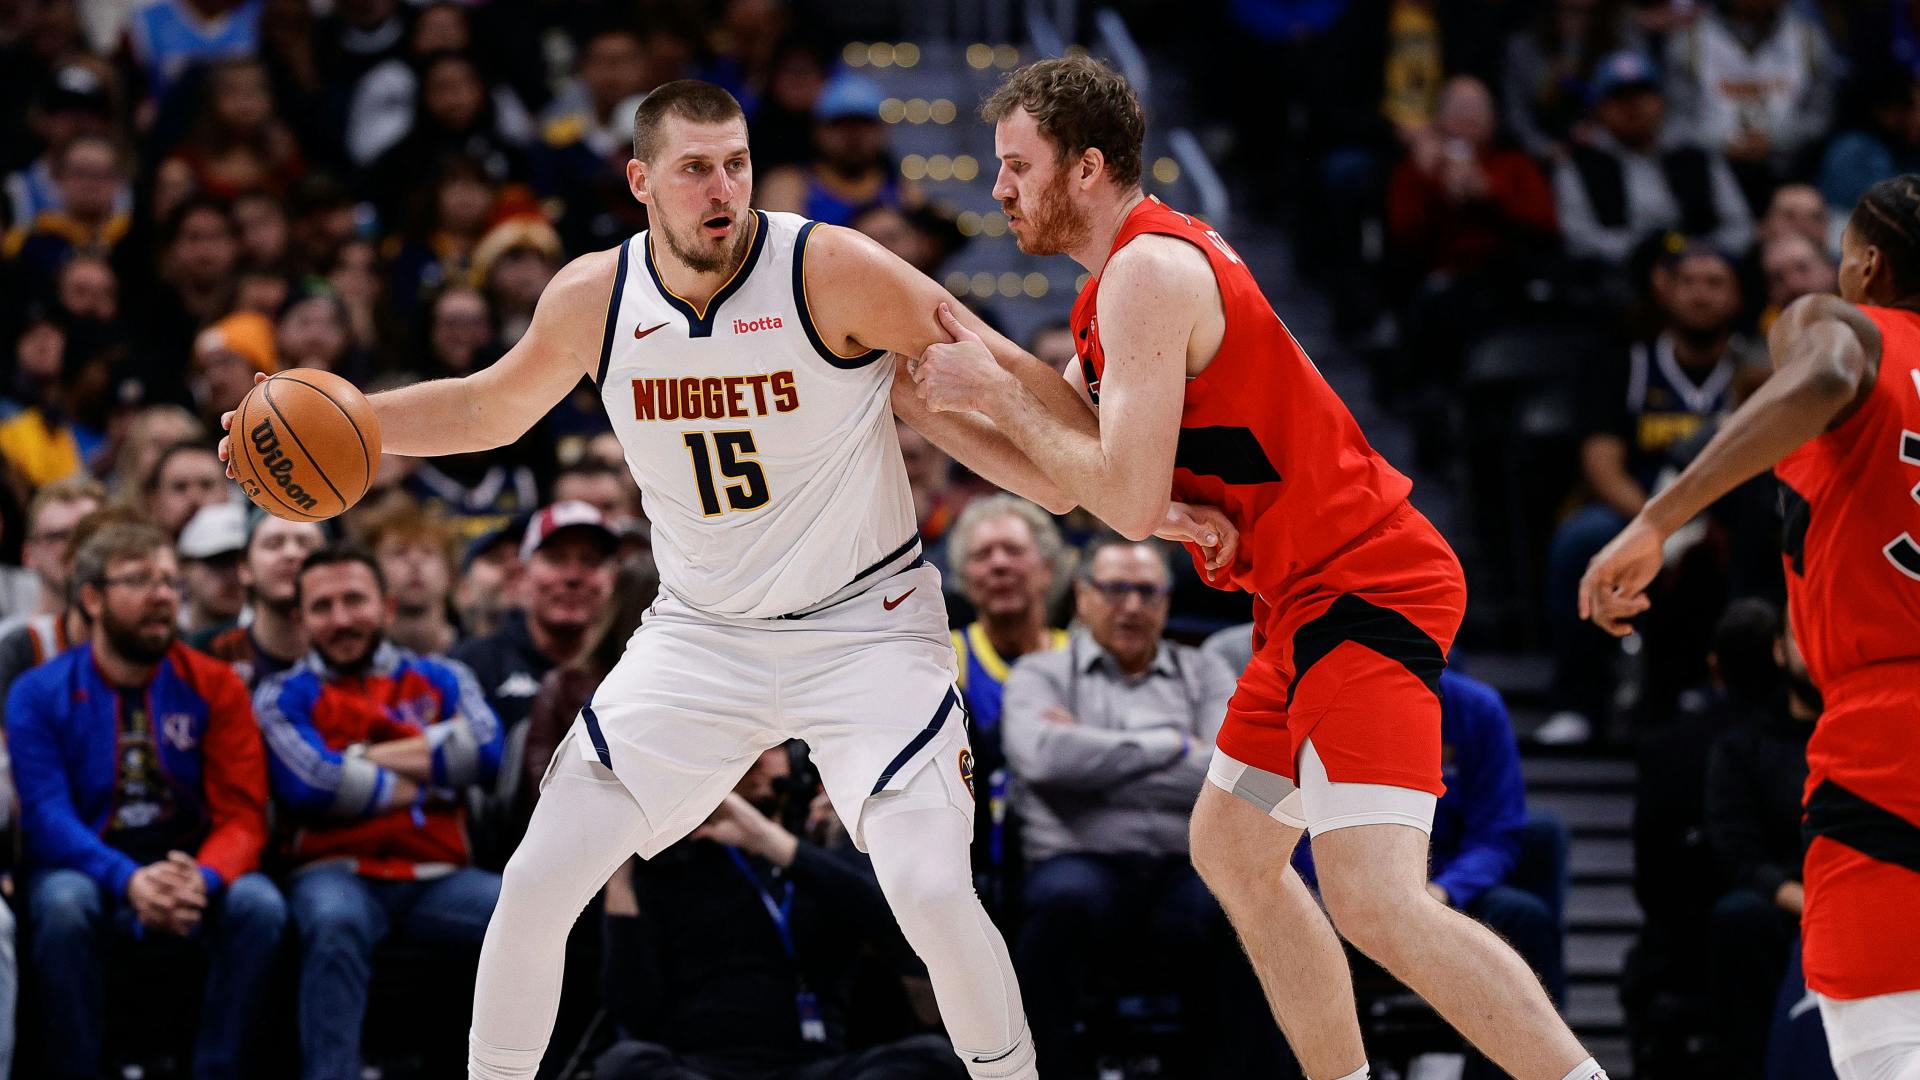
(51, 518)
(143, 788)
(1109, 741)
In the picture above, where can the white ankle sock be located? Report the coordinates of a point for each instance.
(1361, 1073)
(1586, 1070)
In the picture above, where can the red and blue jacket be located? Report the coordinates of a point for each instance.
(318, 723)
(63, 728)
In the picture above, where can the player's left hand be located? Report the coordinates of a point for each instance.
(1614, 589)
(1206, 526)
(960, 375)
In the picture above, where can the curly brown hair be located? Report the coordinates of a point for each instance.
(1081, 104)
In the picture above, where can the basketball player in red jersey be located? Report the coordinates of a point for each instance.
(1839, 423)
(1335, 728)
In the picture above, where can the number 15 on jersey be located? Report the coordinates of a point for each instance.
(731, 453)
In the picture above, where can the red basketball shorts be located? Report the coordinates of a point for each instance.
(1860, 931)
(1351, 655)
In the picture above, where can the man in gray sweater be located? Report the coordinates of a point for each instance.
(1108, 741)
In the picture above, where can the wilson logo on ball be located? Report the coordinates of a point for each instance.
(278, 466)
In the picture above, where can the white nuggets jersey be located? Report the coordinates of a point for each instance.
(766, 461)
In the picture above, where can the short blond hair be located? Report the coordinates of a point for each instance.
(406, 521)
(1046, 535)
(76, 488)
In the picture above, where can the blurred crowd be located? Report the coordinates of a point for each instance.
(264, 774)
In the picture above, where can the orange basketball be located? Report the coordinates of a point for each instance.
(304, 445)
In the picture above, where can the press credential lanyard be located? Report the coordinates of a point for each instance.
(812, 1028)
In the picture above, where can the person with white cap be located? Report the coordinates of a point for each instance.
(211, 547)
(568, 552)
(269, 637)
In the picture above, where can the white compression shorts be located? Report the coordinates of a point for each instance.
(1874, 1038)
(1317, 804)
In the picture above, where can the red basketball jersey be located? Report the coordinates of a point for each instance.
(1262, 435)
(1853, 522)
(1853, 588)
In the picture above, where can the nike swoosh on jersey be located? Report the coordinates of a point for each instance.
(639, 333)
(898, 600)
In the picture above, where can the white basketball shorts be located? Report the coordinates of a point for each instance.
(867, 684)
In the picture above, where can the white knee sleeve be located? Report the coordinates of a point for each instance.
(920, 856)
(584, 826)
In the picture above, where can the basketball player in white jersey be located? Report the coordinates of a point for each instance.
(744, 360)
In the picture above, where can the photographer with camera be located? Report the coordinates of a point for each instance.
(732, 955)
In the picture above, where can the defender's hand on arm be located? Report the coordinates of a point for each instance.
(865, 297)
(1206, 526)
(960, 375)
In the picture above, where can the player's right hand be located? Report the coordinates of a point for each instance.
(1614, 589)
(960, 375)
(226, 424)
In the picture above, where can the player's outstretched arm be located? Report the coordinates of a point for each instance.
(497, 404)
(973, 441)
(865, 297)
(1152, 295)
(1826, 355)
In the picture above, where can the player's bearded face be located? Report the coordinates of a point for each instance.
(699, 190)
(1050, 223)
(694, 243)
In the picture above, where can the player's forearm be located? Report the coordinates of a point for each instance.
(1077, 461)
(1796, 405)
(979, 446)
(442, 416)
(974, 442)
